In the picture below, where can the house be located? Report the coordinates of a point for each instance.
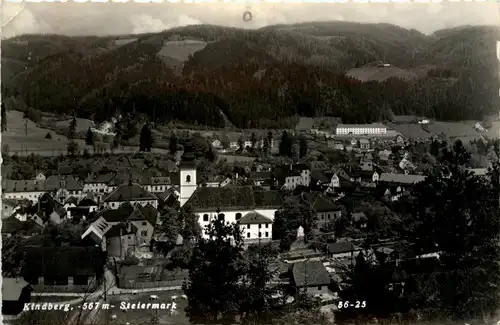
(343, 250)
(40, 177)
(23, 189)
(8, 207)
(261, 178)
(15, 293)
(217, 144)
(57, 216)
(73, 269)
(305, 173)
(400, 139)
(359, 220)
(364, 144)
(326, 210)
(144, 218)
(121, 240)
(311, 277)
(218, 181)
(362, 129)
(71, 202)
(287, 178)
(37, 220)
(46, 205)
(131, 193)
(62, 187)
(385, 154)
(406, 165)
(97, 183)
(234, 203)
(96, 232)
(256, 227)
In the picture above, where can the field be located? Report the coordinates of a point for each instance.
(455, 130)
(135, 317)
(29, 137)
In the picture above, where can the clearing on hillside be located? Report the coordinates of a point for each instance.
(380, 73)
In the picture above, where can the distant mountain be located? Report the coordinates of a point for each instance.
(259, 77)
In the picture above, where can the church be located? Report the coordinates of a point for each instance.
(251, 207)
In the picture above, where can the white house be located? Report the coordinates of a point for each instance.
(256, 227)
(97, 183)
(40, 177)
(131, 193)
(374, 128)
(235, 203)
(23, 189)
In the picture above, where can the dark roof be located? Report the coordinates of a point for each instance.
(121, 229)
(341, 247)
(129, 192)
(12, 288)
(310, 273)
(103, 176)
(60, 211)
(87, 201)
(11, 225)
(318, 165)
(301, 167)
(118, 215)
(262, 175)
(143, 213)
(319, 175)
(9, 185)
(233, 198)
(253, 218)
(54, 182)
(62, 261)
(71, 199)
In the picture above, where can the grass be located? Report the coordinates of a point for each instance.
(29, 137)
(144, 316)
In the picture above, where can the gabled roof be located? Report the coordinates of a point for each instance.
(70, 183)
(118, 215)
(121, 229)
(253, 218)
(100, 227)
(87, 201)
(233, 198)
(71, 200)
(13, 186)
(129, 192)
(310, 273)
(100, 177)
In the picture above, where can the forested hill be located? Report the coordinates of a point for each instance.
(259, 77)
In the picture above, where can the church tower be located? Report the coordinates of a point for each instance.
(187, 180)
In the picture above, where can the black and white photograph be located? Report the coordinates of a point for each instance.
(246, 163)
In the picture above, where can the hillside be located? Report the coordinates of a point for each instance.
(195, 73)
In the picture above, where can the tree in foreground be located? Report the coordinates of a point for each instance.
(214, 290)
(89, 139)
(459, 217)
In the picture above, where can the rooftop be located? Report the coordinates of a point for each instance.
(310, 273)
(129, 192)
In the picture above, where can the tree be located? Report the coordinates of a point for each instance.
(172, 145)
(72, 128)
(270, 137)
(241, 143)
(295, 152)
(89, 139)
(213, 288)
(181, 256)
(303, 146)
(253, 140)
(4, 118)
(294, 214)
(266, 145)
(190, 227)
(145, 139)
(458, 216)
(72, 148)
(285, 144)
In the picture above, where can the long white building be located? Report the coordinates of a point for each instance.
(361, 129)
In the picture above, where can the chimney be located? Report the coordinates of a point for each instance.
(291, 167)
(129, 227)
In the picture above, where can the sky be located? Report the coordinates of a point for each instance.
(131, 18)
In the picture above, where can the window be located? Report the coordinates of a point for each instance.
(248, 226)
(144, 223)
(205, 217)
(6, 207)
(113, 205)
(260, 226)
(248, 235)
(129, 237)
(320, 287)
(260, 234)
(188, 179)
(267, 234)
(144, 233)
(221, 217)
(328, 216)
(238, 216)
(267, 225)
(49, 280)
